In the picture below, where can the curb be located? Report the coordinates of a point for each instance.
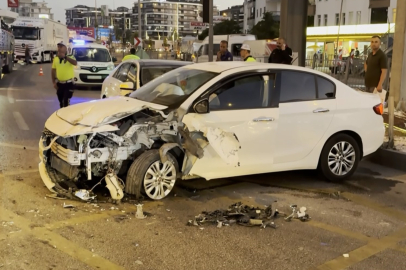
(389, 158)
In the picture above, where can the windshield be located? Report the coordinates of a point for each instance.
(173, 87)
(91, 55)
(27, 33)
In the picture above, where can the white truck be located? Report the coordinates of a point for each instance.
(40, 35)
(6, 42)
(235, 42)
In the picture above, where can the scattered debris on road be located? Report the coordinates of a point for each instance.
(246, 216)
(68, 206)
(139, 214)
(346, 255)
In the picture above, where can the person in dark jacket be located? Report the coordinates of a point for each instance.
(282, 54)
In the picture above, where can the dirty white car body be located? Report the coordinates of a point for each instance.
(210, 120)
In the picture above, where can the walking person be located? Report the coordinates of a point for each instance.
(224, 54)
(62, 75)
(245, 53)
(282, 54)
(376, 67)
(27, 55)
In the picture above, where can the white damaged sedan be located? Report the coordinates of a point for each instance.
(210, 120)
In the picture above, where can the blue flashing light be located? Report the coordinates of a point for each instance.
(79, 42)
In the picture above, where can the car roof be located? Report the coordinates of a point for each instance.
(220, 67)
(89, 45)
(154, 62)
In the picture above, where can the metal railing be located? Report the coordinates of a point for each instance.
(348, 70)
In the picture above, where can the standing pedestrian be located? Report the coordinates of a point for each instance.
(27, 55)
(224, 54)
(245, 53)
(131, 55)
(62, 75)
(282, 54)
(376, 67)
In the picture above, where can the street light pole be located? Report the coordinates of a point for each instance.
(211, 31)
(139, 19)
(339, 25)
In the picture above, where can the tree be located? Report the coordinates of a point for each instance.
(224, 28)
(267, 28)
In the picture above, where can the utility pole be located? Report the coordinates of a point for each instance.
(211, 31)
(139, 20)
(96, 22)
(397, 90)
(339, 25)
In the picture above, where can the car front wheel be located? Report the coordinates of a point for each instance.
(339, 158)
(150, 176)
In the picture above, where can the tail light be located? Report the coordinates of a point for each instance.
(378, 109)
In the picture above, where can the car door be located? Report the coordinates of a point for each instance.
(113, 85)
(244, 106)
(306, 109)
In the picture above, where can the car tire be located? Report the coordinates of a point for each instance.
(340, 151)
(140, 177)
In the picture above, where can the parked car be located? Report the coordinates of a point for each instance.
(94, 64)
(132, 74)
(211, 120)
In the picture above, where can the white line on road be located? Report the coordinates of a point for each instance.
(34, 100)
(20, 121)
(9, 93)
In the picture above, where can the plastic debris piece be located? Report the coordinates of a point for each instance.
(84, 194)
(139, 214)
(68, 206)
(219, 224)
(139, 262)
(346, 255)
(168, 210)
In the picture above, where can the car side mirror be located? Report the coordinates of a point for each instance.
(114, 59)
(202, 107)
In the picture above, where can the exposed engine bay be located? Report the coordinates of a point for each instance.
(70, 162)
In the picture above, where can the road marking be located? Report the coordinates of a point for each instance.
(87, 218)
(364, 252)
(340, 231)
(34, 100)
(4, 174)
(18, 146)
(20, 121)
(9, 93)
(375, 206)
(59, 242)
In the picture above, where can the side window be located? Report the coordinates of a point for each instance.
(121, 74)
(132, 74)
(325, 88)
(245, 93)
(235, 49)
(297, 86)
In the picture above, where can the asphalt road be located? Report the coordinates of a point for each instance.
(364, 218)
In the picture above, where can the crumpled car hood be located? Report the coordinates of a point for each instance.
(105, 111)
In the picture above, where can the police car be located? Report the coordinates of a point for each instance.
(94, 63)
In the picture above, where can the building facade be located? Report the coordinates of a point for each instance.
(28, 8)
(168, 19)
(362, 13)
(235, 13)
(254, 11)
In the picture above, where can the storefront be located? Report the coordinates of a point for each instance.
(323, 40)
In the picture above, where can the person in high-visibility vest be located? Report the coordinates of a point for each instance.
(131, 55)
(245, 53)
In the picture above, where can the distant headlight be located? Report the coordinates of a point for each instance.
(110, 67)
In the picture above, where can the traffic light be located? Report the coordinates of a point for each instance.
(206, 10)
(128, 23)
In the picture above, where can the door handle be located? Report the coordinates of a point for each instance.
(264, 119)
(322, 110)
